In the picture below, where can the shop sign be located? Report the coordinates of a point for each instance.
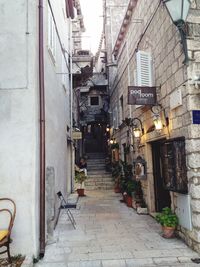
(141, 95)
(77, 135)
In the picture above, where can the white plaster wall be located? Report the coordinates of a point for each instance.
(19, 115)
(57, 100)
(19, 119)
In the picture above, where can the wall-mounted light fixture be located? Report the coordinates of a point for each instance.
(178, 11)
(137, 131)
(111, 141)
(107, 129)
(157, 118)
(158, 123)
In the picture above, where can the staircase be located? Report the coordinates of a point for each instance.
(98, 178)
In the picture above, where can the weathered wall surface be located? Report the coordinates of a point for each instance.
(151, 30)
(19, 119)
(19, 115)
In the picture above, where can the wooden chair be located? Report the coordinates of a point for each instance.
(7, 217)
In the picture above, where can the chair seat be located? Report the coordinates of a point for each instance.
(3, 234)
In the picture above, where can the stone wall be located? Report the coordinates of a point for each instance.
(151, 30)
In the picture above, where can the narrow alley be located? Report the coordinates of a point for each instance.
(109, 234)
(99, 104)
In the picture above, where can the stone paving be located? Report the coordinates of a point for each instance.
(109, 234)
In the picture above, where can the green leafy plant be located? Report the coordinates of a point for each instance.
(167, 218)
(115, 146)
(130, 187)
(127, 169)
(116, 169)
(80, 177)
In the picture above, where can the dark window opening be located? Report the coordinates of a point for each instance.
(94, 101)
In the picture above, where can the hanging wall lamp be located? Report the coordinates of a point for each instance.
(158, 123)
(111, 141)
(178, 11)
(137, 132)
(157, 110)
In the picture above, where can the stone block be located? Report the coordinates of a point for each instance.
(192, 145)
(195, 204)
(194, 130)
(196, 220)
(193, 102)
(195, 235)
(195, 191)
(194, 160)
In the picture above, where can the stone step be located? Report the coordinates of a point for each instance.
(99, 179)
(98, 174)
(94, 163)
(99, 169)
(95, 156)
(99, 187)
(98, 182)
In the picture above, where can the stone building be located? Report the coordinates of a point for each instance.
(147, 52)
(35, 96)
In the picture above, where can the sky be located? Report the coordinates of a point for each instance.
(92, 11)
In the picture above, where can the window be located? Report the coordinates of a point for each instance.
(94, 101)
(51, 35)
(174, 169)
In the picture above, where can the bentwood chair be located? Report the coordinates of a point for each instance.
(7, 217)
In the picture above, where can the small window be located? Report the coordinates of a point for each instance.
(94, 101)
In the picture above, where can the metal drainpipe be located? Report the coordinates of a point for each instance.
(71, 107)
(42, 131)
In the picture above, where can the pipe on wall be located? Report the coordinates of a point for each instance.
(42, 131)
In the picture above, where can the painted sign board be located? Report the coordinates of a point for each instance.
(141, 95)
(196, 116)
(77, 135)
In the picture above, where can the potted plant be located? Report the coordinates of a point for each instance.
(130, 187)
(169, 222)
(116, 172)
(80, 177)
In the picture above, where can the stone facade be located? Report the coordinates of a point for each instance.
(147, 27)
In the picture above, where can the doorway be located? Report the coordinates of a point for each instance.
(94, 138)
(162, 196)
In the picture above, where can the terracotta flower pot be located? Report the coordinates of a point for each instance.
(129, 201)
(80, 192)
(168, 232)
(117, 188)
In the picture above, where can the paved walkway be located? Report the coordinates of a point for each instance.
(109, 234)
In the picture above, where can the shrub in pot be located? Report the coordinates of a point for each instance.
(80, 177)
(130, 187)
(169, 222)
(116, 174)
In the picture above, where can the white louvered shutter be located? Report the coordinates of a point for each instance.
(144, 68)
